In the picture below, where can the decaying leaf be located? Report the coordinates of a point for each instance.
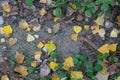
(55, 78)
(37, 55)
(23, 24)
(74, 37)
(100, 20)
(77, 29)
(56, 28)
(12, 41)
(34, 63)
(53, 65)
(6, 8)
(101, 32)
(4, 77)
(44, 70)
(80, 17)
(76, 75)
(102, 77)
(114, 33)
(68, 63)
(30, 38)
(50, 46)
(86, 27)
(22, 70)
(7, 29)
(95, 28)
(19, 58)
(42, 12)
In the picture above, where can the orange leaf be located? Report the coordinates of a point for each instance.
(34, 63)
(74, 37)
(12, 41)
(19, 58)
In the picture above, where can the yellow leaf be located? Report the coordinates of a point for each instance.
(95, 28)
(55, 78)
(104, 48)
(77, 29)
(74, 6)
(114, 33)
(43, 1)
(30, 38)
(76, 74)
(22, 70)
(6, 8)
(34, 63)
(56, 19)
(74, 37)
(19, 58)
(68, 63)
(118, 19)
(113, 47)
(23, 24)
(86, 27)
(12, 41)
(28, 29)
(4, 77)
(103, 72)
(53, 65)
(40, 45)
(100, 20)
(102, 32)
(7, 29)
(50, 46)
(42, 12)
(37, 55)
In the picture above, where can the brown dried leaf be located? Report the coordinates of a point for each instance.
(74, 37)
(19, 58)
(23, 24)
(12, 41)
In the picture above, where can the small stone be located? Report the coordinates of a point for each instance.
(1, 20)
(108, 24)
(36, 36)
(2, 40)
(49, 30)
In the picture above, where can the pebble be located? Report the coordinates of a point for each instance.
(2, 40)
(108, 24)
(1, 20)
(36, 36)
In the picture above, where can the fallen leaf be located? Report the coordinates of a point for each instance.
(12, 41)
(53, 65)
(80, 17)
(74, 6)
(114, 33)
(118, 78)
(100, 20)
(77, 29)
(40, 45)
(42, 12)
(56, 19)
(34, 63)
(4, 77)
(102, 77)
(76, 74)
(55, 78)
(22, 70)
(86, 27)
(43, 1)
(56, 28)
(23, 24)
(28, 29)
(7, 29)
(1, 30)
(6, 8)
(19, 58)
(74, 37)
(50, 46)
(68, 63)
(30, 38)
(102, 32)
(44, 70)
(114, 68)
(49, 30)
(112, 47)
(104, 48)
(2, 40)
(95, 28)
(37, 55)
(49, 2)
(118, 19)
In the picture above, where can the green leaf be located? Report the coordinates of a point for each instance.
(98, 67)
(108, 1)
(53, 55)
(77, 3)
(105, 7)
(89, 68)
(85, 3)
(57, 12)
(83, 57)
(80, 63)
(59, 66)
(42, 78)
(75, 60)
(29, 2)
(11, 60)
(106, 55)
(97, 2)
(82, 8)
(32, 69)
(91, 4)
(61, 74)
(94, 78)
(77, 56)
(88, 13)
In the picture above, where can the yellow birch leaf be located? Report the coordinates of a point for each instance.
(28, 29)
(42, 12)
(37, 55)
(112, 47)
(114, 33)
(86, 27)
(104, 48)
(56, 19)
(50, 46)
(22, 70)
(95, 28)
(76, 74)
(6, 8)
(40, 45)
(77, 29)
(100, 20)
(23, 24)
(19, 58)
(30, 38)
(7, 29)
(102, 32)
(74, 6)
(4, 77)
(53, 65)
(34, 63)
(74, 37)
(55, 78)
